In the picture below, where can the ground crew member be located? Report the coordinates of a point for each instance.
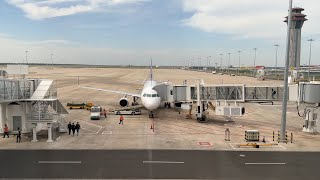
(77, 128)
(104, 113)
(121, 119)
(69, 127)
(5, 131)
(73, 128)
(19, 135)
(273, 92)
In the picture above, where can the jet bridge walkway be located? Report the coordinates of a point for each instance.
(219, 92)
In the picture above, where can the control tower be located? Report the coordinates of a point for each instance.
(295, 36)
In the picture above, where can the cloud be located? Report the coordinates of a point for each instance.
(3, 35)
(245, 18)
(43, 9)
(49, 42)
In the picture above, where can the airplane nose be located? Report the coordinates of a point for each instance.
(153, 104)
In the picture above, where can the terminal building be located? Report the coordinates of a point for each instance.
(30, 104)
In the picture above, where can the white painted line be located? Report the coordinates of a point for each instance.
(59, 162)
(274, 105)
(282, 147)
(232, 146)
(92, 124)
(266, 147)
(88, 133)
(107, 132)
(242, 155)
(162, 162)
(265, 163)
(89, 130)
(99, 130)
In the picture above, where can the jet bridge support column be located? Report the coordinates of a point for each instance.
(34, 132)
(3, 115)
(49, 132)
(200, 116)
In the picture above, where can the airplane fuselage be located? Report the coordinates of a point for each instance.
(150, 97)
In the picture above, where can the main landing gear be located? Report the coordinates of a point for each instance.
(134, 103)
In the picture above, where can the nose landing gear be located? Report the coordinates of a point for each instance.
(151, 114)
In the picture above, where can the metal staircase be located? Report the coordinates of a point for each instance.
(43, 112)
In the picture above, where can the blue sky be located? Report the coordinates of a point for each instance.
(133, 31)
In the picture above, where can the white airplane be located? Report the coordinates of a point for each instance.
(149, 97)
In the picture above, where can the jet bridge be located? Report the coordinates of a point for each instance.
(219, 92)
(184, 95)
(263, 93)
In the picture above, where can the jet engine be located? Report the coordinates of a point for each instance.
(124, 102)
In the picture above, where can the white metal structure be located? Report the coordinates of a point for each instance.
(149, 97)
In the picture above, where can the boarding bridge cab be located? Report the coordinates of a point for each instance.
(95, 112)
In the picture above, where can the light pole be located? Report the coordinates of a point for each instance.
(221, 62)
(285, 91)
(209, 68)
(207, 63)
(276, 67)
(239, 63)
(254, 61)
(277, 46)
(26, 57)
(51, 60)
(310, 40)
(229, 62)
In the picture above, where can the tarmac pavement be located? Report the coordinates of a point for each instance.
(158, 164)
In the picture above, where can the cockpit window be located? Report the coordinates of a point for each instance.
(151, 95)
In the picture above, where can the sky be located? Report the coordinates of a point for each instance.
(131, 32)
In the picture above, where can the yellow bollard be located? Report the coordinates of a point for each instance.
(273, 136)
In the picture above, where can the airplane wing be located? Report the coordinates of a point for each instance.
(112, 91)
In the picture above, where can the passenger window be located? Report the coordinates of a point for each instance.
(148, 95)
(144, 95)
(154, 95)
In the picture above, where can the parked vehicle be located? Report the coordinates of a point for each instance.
(128, 112)
(96, 112)
(80, 105)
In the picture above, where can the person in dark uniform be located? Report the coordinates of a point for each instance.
(73, 128)
(273, 92)
(77, 128)
(69, 127)
(19, 135)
